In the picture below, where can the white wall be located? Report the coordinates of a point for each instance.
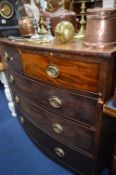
(109, 3)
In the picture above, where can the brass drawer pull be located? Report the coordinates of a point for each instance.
(17, 99)
(51, 54)
(52, 71)
(11, 59)
(11, 78)
(55, 101)
(6, 56)
(57, 128)
(22, 120)
(20, 52)
(59, 152)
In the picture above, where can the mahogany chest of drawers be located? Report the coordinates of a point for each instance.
(59, 92)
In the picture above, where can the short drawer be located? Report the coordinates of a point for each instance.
(72, 159)
(62, 70)
(75, 106)
(64, 130)
(11, 57)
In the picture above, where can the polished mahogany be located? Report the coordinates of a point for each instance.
(59, 92)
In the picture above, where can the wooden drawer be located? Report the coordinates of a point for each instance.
(77, 107)
(58, 151)
(12, 57)
(64, 130)
(62, 70)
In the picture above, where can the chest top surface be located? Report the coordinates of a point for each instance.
(74, 47)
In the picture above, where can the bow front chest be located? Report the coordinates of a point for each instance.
(59, 92)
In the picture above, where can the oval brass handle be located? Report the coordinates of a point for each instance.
(17, 99)
(51, 53)
(6, 56)
(57, 128)
(59, 152)
(55, 101)
(19, 52)
(11, 59)
(22, 119)
(52, 71)
(11, 78)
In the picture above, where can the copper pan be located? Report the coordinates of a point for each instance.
(100, 27)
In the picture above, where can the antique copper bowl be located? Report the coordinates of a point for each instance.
(26, 26)
(100, 27)
(62, 15)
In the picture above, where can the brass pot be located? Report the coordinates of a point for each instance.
(26, 26)
(64, 32)
(100, 27)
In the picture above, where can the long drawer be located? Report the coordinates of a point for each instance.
(77, 107)
(66, 131)
(71, 158)
(62, 70)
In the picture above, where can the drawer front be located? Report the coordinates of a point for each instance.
(62, 71)
(64, 130)
(79, 108)
(69, 157)
(12, 57)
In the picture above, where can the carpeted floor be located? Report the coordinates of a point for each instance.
(18, 154)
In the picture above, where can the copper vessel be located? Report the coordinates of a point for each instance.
(114, 98)
(100, 27)
(26, 26)
(62, 15)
